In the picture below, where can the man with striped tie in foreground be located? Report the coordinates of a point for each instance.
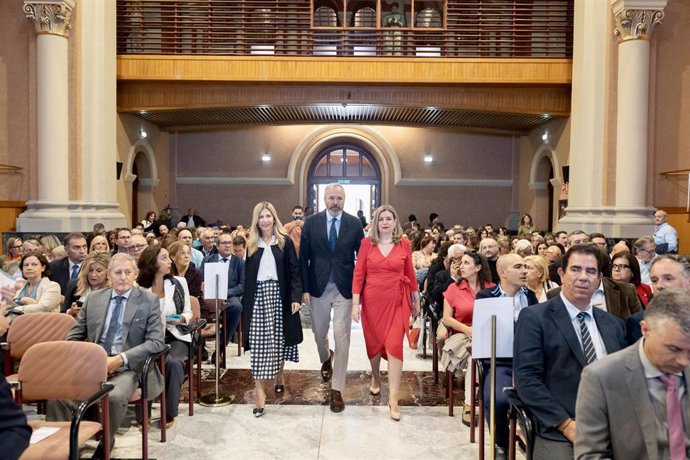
(554, 341)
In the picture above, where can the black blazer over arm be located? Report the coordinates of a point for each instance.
(290, 283)
(59, 272)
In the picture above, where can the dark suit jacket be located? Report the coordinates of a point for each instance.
(442, 280)
(142, 328)
(70, 295)
(632, 327)
(621, 298)
(495, 291)
(235, 273)
(59, 272)
(14, 431)
(290, 283)
(548, 360)
(316, 260)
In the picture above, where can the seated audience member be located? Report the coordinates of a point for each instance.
(600, 240)
(92, 277)
(122, 242)
(13, 253)
(542, 249)
(668, 271)
(554, 253)
(488, 247)
(561, 237)
(458, 308)
(99, 243)
(422, 258)
(619, 299)
(155, 275)
(149, 221)
(128, 343)
(235, 284)
(239, 246)
(645, 248)
(621, 246)
(136, 245)
(665, 236)
(192, 220)
(441, 262)
(61, 271)
(448, 276)
(37, 293)
(633, 404)
(523, 248)
(503, 245)
(538, 277)
(625, 269)
(554, 341)
(577, 237)
(187, 236)
(183, 267)
(208, 240)
(512, 283)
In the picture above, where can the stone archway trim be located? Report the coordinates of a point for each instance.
(144, 147)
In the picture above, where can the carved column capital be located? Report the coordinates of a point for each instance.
(50, 16)
(636, 19)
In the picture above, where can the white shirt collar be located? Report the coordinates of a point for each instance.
(573, 311)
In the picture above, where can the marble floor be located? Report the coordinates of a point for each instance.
(299, 424)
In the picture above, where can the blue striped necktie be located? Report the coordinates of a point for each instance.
(587, 345)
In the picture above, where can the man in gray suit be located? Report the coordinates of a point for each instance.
(329, 242)
(634, 404)
(126, 321)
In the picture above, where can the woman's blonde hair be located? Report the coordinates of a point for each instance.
(255, 233)
(540, 262)
(99, 239)
(374, 227)
(102, 258)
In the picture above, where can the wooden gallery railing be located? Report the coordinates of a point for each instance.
(452, 28)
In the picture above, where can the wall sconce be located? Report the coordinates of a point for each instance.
(428, 159)
(545, 137)
(142, 133)
(266, 157)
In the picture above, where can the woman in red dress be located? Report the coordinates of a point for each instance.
(384, 281)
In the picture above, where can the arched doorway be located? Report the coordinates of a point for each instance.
(545, 181)
(351, 166)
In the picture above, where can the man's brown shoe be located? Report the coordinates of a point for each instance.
(327, 368)
(337, 403)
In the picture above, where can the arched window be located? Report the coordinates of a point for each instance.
(355, 169)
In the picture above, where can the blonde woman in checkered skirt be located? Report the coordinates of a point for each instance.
(271, 302)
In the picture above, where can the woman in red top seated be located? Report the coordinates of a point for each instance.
(458, 306)
(626, 269)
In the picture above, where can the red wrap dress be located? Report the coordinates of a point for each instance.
(385, 284)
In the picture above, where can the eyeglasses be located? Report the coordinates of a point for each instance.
(620, 267)
(16, 247)
(648, 251)
(226, 243)
(136, 247)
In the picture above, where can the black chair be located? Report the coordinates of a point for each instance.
(477, 399)
(433, 313)
(519, 414)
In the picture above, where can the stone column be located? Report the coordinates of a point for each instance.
(52, 19)
(635, 21)
(53, 211)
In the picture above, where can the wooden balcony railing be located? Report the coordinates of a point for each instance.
(464, 28)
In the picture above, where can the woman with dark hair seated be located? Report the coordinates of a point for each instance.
(626, 269)
(458, 309)
(154, 274)
(35, 293)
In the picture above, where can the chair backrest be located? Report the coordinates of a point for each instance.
(365, 17)
(324, 16)
(196, 307)
(32, 328)
(63, 370)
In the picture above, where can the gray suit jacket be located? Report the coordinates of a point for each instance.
(615, 415)
(143, 332)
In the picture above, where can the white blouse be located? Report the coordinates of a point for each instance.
(267, 264)
(168, 307)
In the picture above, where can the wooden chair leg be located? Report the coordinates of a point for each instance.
(198, 370)
(434, 356)
(473, 400)
(480, 402)
(511, 436)
(145, 429)
(239, 337)
(164, 417)
(424, 332)
(450, 382)
(190, 378)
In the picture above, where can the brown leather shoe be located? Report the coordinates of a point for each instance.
(337, 403)
(327, 368)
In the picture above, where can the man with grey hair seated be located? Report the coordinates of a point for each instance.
(444, 278)
(577, 237)
(488, 247)
(634, 403)
(645, 252)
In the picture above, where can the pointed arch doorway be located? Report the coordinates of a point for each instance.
(355, 169)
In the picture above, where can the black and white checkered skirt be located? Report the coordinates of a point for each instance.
(266, 338)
